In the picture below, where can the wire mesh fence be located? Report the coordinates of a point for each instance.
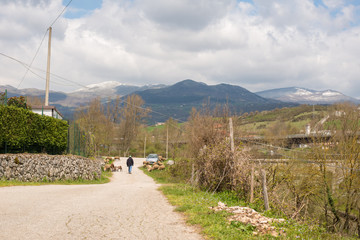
(76, 140)
(4, 98)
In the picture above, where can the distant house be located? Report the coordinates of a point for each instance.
(47, 111)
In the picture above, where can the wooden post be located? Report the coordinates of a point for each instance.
(265, 195)
(252, 184)
(6, 98)
(192, 174)
(231, 135)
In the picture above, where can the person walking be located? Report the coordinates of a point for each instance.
(130, 163)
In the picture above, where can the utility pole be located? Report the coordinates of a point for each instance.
(145, 147)
(48, 70)
(167, 140)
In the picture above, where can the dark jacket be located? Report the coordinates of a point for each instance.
(129, 162)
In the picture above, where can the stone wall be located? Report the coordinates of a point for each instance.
(41, 167)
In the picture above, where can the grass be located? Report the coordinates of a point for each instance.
(105, 178)
(194, 204)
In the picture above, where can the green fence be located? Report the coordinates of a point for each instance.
(76, 140)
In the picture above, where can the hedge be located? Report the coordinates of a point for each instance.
(24, 131)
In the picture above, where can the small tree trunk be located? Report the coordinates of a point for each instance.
(252, 184)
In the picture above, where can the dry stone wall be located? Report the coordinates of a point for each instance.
(41, 167)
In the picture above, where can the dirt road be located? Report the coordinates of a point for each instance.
(129, 207)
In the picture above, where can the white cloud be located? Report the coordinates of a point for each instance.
(187, 14)
(267, 45)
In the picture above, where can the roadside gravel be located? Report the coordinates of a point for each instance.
(129, 207)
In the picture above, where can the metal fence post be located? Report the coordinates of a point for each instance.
(5, 99)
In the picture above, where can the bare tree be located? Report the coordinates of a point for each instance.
(34, 101)
(131, 116)
(98, 128)
(205, 128)
(345, 149)
(172, 132)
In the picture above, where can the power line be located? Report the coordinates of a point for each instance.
(283, 148)
(28, 67)
(42, 40)
(60, 13)
(37, 51)
(38, 69)
(23, 64)
(308, 161)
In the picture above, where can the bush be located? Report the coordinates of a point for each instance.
(219, 169)
(22, 130)
(181, 170)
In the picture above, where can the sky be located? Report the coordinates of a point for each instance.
(255, 44)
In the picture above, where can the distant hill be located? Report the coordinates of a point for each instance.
(105, 90)
(306, 96)
(178, 100)
(56, 96)
(166, 101)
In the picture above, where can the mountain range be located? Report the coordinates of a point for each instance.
(306, 96)
(177, 100)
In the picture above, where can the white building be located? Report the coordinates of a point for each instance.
(50, 111)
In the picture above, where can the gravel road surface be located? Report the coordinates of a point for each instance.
(129, 207)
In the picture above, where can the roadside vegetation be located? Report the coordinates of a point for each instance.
(315, 187)
(195, 204)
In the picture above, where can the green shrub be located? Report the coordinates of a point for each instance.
(22, 130)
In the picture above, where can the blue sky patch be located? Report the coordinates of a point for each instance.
(80, 8)
(249, 1)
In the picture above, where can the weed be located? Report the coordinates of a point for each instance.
(194, 204)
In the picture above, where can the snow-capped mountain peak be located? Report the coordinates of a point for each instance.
(302, 92)
(306, 96)
(100, 86)
(330, 93)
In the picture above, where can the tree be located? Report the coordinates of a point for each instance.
(98, 128)
(172, 132)
(337, 151)
(19, 102)
(205, 127)
(34, 101)
(346, 129)
(131, 116)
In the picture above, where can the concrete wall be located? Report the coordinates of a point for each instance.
(40, 167)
